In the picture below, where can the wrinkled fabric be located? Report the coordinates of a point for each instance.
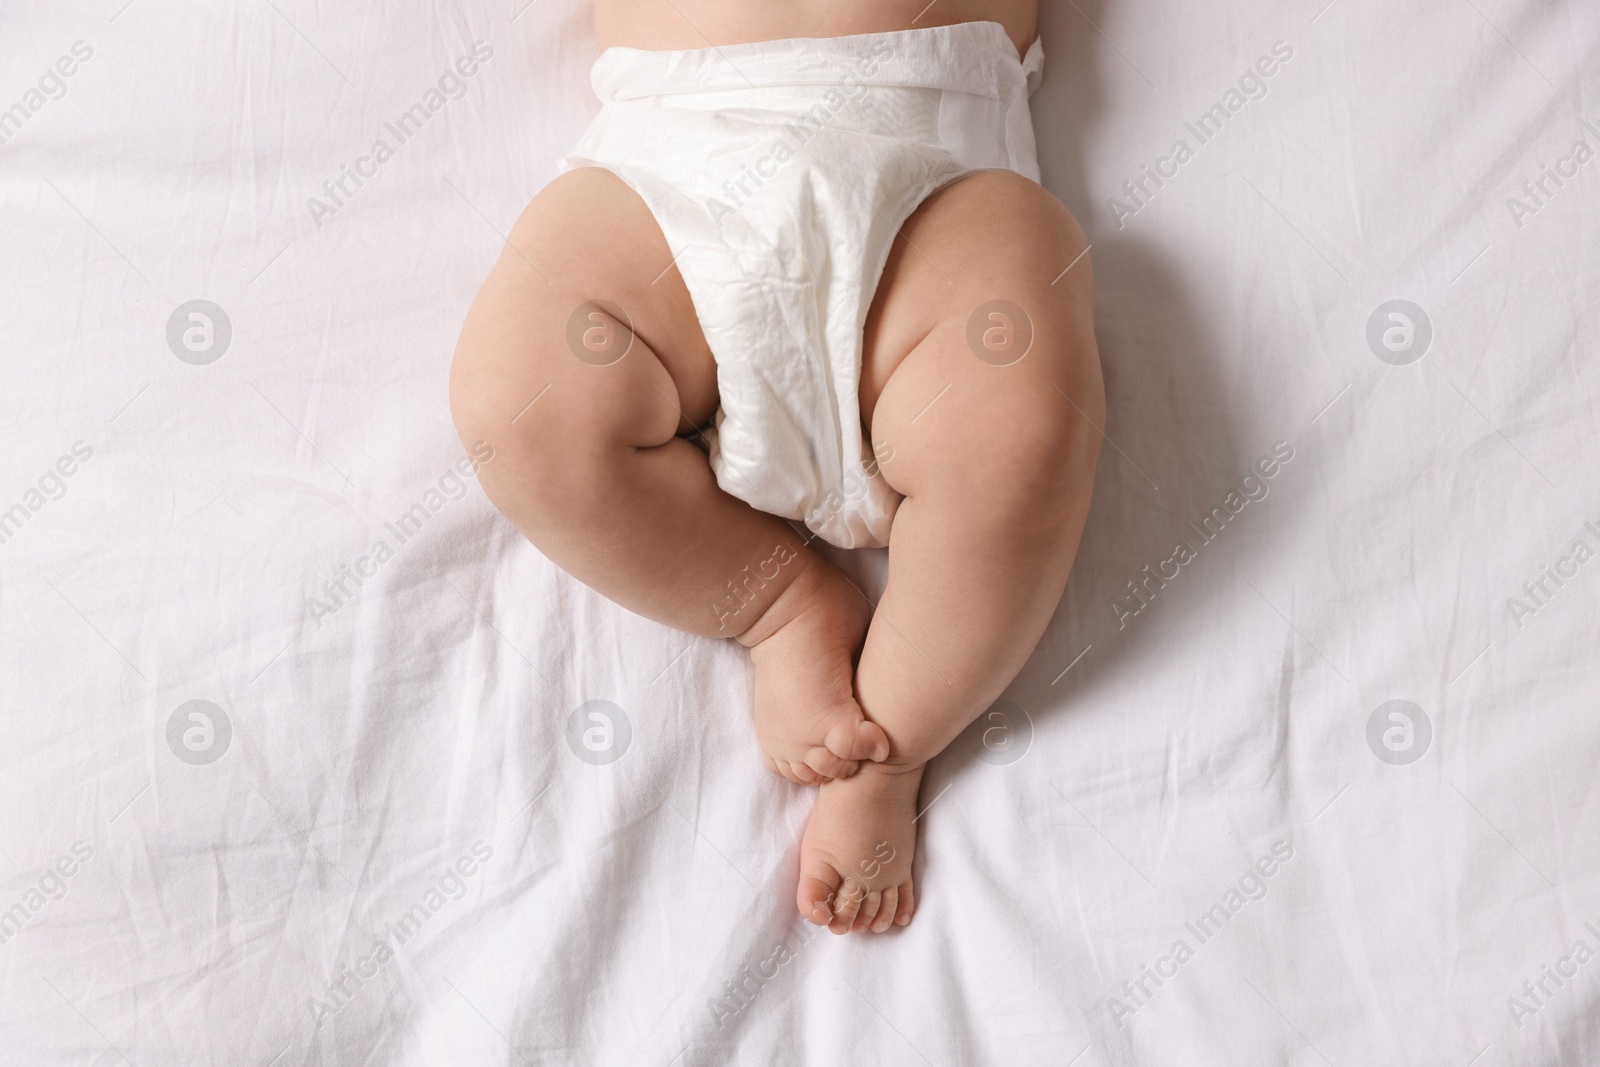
(408, 740)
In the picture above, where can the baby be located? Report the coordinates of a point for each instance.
(800, 268)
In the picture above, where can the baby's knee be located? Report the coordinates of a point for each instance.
(554, 428)
(1039, 460)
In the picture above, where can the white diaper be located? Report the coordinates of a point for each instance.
(779, 173)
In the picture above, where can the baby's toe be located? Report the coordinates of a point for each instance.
(799, 772)
(827, 765)
(869, 911)
(784, 769)
(907, 904)
(886, 910)
(846, 905)
(854, 737)
(819, 885)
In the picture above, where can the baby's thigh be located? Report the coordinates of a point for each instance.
(584, 314)
(980, 344)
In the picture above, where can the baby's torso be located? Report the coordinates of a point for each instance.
(684, 24)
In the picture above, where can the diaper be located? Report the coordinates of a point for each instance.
(779, 173)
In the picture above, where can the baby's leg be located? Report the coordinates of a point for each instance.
(584, 415)
(996, 460)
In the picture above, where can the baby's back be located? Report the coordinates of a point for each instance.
(678, 24)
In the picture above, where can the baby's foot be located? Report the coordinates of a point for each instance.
(855, 858)
(804, 648)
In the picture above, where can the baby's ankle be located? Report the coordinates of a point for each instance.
(894, 773)
(807, 582)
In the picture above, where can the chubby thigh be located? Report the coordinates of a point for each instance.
(981, 330)
(584, 301)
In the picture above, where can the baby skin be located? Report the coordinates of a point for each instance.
(598, 459)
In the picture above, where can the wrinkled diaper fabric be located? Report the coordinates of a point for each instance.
(779, 173)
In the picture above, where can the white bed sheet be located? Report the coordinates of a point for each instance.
(387, 735)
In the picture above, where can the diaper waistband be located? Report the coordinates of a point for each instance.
(968, 57)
